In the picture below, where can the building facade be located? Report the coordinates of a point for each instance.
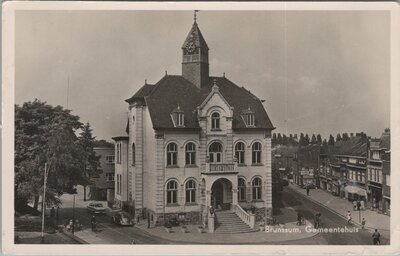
(379, 172)
(343, 168)
(103, 186)
(194, 142)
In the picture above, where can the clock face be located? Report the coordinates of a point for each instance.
(190, 47)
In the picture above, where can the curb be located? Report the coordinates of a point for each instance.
(73, 237)
(326, 207)
(333, 211)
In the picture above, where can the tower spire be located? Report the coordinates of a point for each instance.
(195, 16)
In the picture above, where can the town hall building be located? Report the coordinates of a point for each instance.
(196, 145)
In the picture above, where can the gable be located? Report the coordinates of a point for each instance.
(215, 101)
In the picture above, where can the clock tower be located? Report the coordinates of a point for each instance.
(195, 57)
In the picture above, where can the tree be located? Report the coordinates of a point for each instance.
(306, 140)
(331, 140)
(325, 143)
(91, 162)
(345, 136)
(338, 137)
(285, 140)
(274, 139)
(279, 142)
(291, 140)
(313, 139)
(319, 139)
(45, 134)
(301, 140)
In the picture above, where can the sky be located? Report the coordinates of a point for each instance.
(322, 72)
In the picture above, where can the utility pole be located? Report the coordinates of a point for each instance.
(73, 215)
(44, 200)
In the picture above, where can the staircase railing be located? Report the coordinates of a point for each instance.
(248, 218)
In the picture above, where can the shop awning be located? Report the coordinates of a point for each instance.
(356, 190)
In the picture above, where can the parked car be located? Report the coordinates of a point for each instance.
(96, 208)
(122, 219)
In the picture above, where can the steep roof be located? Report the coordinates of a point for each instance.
(196, 37)
(385, 141)
(354, 146)
(173, 90)
(142, 92)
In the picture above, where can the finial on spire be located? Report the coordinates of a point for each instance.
(215, 86)
(195, 16)
(179, 108)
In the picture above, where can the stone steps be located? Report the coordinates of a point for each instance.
(229, 222)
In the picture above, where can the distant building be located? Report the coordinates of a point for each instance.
(103, 187)
(194, 142)
(379, 172)
(345, 168)
(307, 160)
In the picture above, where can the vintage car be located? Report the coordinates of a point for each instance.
(122, 219)
(96, 208)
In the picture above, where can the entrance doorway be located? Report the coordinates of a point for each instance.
(221, 194)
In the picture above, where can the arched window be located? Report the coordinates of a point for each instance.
(256, 184)
(241, 190)
(215, 121)
(172, 192)
(191, 191)
(256, 153)
(215, 152)
(239, 152)
(190, 154)
(133, 154)
(172, 154)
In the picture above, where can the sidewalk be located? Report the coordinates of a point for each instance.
(340, 206)
(279, 233)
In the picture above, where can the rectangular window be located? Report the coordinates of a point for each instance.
(172, 197)
(110, 159)
(379, 176)
(110, 176)
(387, 180)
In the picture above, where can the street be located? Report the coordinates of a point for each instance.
(329, 220)
(109, 231)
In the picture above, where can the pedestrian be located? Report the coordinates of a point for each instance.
(93, 222)
(308, 190)
(148, 220)
(363, 223)
(316, 220)
(319, 219)
(137, 219)
(376, 237)
(348, 217)
(299, 218)
(52, 217)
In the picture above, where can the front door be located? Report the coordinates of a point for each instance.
(217, 195)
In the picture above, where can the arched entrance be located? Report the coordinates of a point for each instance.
(221, 194)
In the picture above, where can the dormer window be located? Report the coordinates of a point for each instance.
(215, 121)
(248, 117)
(178, 117)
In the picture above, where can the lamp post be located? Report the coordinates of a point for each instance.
(73, 215)
(44, 199)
